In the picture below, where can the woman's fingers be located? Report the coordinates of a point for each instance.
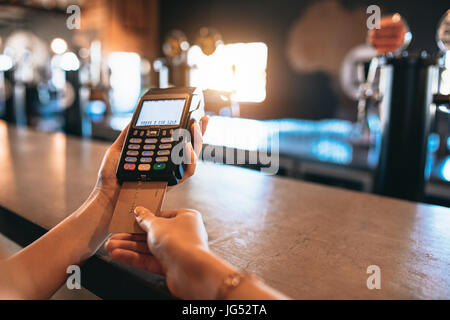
(197, 132)
(118, 144)
(189, 168)
(138, 260)
(129, 236)
(138, 246)
(204, 124)
(144, 217)
(197, 138)
(169, 214)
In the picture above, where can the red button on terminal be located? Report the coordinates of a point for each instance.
(129, 166)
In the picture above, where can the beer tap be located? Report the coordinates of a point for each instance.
(390, 39)
(406, 86)
(442, 98)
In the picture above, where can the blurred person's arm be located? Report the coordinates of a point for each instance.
(390, 36)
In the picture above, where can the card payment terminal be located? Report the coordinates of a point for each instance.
(145, 167)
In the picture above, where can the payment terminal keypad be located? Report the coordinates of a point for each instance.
(148, 150)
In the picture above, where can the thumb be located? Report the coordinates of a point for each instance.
(144, 217)
(118, 144)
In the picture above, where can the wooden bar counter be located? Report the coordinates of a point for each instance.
(306, 240)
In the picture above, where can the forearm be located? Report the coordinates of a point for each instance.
(40, 269)
(210, 274)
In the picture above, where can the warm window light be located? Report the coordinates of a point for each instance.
(125, 80)
(239, 68)
(6, 62)
(96, 61)
(69, 62)
(58, 45)
(58, 77)
(221, 132)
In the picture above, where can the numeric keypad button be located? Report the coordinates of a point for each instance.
(144, 167)
(163, 152)
(129, 166)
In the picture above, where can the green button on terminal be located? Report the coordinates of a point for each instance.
(159, 166)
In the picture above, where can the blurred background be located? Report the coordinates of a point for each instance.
(346, 113)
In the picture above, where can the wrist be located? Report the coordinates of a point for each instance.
(213, 278)
(208, 273)
(107, 196)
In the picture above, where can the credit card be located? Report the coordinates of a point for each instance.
(134, 194)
